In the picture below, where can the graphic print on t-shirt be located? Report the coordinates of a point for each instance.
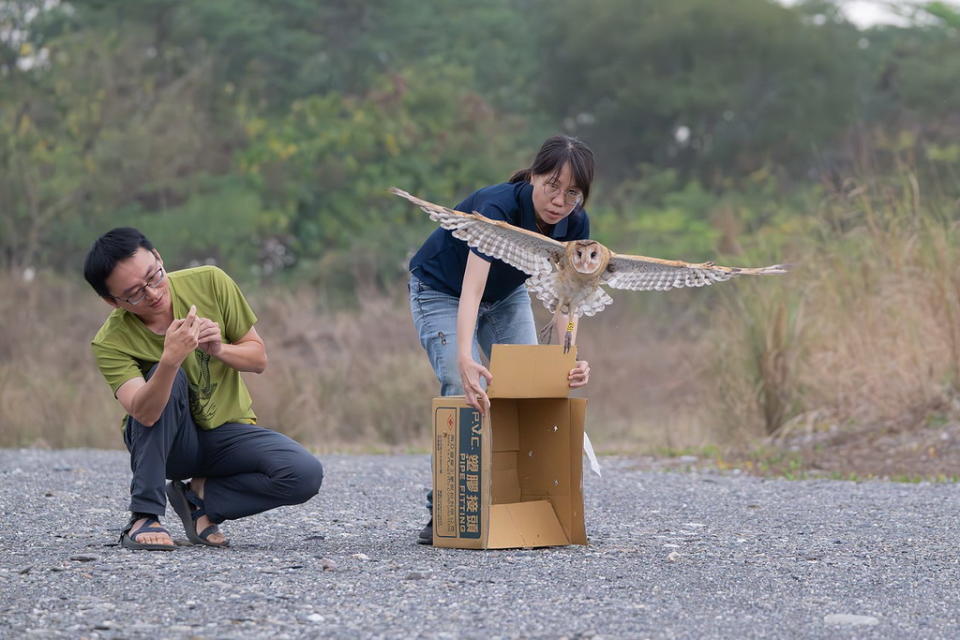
(201, 394)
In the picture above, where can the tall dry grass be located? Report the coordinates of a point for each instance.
(350, 378)
(50, 391)
(863, 334)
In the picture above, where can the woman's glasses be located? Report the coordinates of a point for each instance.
(571, 197)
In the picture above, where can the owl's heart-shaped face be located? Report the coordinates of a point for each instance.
(587, 257)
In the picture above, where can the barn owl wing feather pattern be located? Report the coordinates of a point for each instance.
(640, 273)
(544, 288)
(595, 302)
(530, 252)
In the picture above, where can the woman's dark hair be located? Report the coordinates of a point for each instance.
(109, 249)
(556, 152)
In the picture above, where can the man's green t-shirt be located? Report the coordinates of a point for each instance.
(125, 349)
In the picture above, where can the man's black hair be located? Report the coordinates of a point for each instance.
(109, 249)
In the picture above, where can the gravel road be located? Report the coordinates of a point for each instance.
(671, 555)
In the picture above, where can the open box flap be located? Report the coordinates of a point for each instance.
(530, 371)
(524, 524)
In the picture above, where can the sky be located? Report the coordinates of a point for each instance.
(866, 13)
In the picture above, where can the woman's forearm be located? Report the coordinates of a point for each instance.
(471, 292)
(466, 324)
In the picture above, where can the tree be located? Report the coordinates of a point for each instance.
(714, 89)
(325, 167)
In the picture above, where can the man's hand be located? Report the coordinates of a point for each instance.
(579, 375)
(181, 338)
(209, 340)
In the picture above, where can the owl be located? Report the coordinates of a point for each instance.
(567, 276)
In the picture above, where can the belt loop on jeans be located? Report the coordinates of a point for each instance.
(413, 275)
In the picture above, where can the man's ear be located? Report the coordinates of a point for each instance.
(111, 302)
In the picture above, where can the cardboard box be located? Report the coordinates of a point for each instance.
(515, 478)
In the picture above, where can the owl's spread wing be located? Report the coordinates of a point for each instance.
(530, 252)
(640, 273)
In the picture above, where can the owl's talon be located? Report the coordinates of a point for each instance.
(545, 335)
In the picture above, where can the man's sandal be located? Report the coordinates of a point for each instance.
(128, 538)
(189, 506)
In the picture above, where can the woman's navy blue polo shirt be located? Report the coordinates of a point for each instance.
(442, 260)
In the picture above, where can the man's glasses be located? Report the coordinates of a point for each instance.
(571, 197)
(153, 282)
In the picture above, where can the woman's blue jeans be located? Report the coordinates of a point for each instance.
(506, 321)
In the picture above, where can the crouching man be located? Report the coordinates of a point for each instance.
(172, 351)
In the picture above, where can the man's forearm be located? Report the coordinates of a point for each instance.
(245, 356)
(151, 399)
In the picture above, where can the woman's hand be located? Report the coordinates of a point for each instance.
(580, 375)
(470, 372)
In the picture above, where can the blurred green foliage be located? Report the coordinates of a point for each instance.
(263, 136)
(715, 89)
